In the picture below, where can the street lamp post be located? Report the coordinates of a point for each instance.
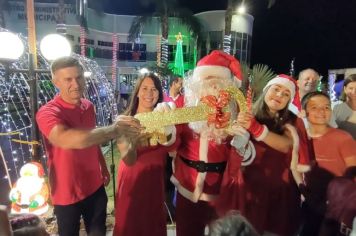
(11, 49)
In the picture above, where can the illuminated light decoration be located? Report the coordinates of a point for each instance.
(158, 47)
(11, 46)
(114, 59)
(87, 74)
(61, 49)
(332, 93)
(164, 52)
(82, 41)
(249, 97)
(291, 70)
(179, 60)
(30, 193)
(319, 87)
(15, 114)
(227, 43)
(144, 71)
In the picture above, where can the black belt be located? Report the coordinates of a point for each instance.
(202, 166)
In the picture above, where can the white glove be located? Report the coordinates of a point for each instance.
(244, 147)
(169, 130)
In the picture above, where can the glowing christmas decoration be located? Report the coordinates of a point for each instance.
(15, 114)
(114, 59)
(227, 43)
(249, 94)
(164, 52)
(30, 193)
(158, 48)
(179, 60)
(320, 85)
(332, 93)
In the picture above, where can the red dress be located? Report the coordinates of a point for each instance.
(140, 198)
(268, 196)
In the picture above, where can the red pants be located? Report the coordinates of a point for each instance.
(191, 218)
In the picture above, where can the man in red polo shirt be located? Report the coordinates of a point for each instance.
(76, 166)
(175, 91)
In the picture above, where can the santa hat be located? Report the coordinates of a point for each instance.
(218, 64)
(291, 85)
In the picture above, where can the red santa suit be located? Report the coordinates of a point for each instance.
(200, 162)
(198, 171)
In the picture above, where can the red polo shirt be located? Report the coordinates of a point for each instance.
(74, 174)
(178, 100)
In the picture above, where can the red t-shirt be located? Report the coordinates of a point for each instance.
(74, 174)
(332, 148)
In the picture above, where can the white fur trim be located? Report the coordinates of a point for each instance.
(202, 72)
(263, 135)
(303, 168)
(282, 81)
(199, 183)
(293, 108)
(249, 155)
(192, 196)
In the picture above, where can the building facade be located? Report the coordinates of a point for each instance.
(132, 56)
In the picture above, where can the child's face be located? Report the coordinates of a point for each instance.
(318, 110)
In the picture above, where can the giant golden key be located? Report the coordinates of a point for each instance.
(214, 111)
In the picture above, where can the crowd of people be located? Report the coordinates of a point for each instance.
(279, 168)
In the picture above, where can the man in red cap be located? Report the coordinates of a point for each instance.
(204, 149)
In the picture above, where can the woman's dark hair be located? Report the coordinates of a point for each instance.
(308, 96)
(232, 224)
(27, 225)
(133, 101)
(260, 110)
(349, 79)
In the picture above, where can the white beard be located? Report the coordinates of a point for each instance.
(194, 91)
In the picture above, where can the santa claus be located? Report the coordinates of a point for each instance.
(204, 149)
(30, 193)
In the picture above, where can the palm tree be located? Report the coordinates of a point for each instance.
(231, 6)
(163, 10)
(4, 6)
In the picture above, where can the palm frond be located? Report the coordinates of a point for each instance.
(137, 26)
(271, 3)
(187, 18)
(260, 75)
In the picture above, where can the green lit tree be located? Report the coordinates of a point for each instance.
(163, 10)
(179, 61)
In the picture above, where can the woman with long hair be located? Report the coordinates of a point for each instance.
(140, 198)
(271, 196)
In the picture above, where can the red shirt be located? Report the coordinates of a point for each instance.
(178, 100)
(74, 174)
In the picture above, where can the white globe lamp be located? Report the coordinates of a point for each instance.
(54, 46)
(11, 46)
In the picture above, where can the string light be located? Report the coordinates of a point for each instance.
(158, 48)
(227, 43)
(164, 52)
